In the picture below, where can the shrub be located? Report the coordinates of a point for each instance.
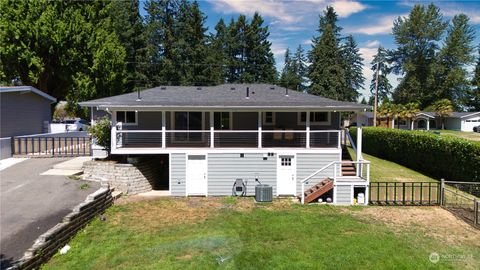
(101, 132)
(451, 158)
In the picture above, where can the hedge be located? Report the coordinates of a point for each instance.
(451, 158)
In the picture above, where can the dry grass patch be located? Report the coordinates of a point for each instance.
(432, 221)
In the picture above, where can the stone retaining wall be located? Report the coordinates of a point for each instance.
(57, 237)
(127, 178)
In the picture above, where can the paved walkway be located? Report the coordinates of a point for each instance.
(31, 203)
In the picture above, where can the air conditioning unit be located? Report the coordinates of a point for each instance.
(263, 193)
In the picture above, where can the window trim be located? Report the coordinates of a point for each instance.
(127, 124)
(264, 117)
(320, 123)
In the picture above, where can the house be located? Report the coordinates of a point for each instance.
(212, 136)
(462, 121)
(24, 110)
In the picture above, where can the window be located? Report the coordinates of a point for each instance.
(188, 121)
(222, 120)
(402, 122)
(286, 161)
(127, 117)
(319, 118)
(268, 118)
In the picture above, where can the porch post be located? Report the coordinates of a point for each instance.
(113, 138)
(307, 127)
(163, 129)
(359, 150)
(259, 124)
(212, 135)
(393, 122)
(428, 124)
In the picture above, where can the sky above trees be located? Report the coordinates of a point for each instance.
(294, 22)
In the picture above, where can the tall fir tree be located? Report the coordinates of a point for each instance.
(451, 76)
(128, 24)
(259, 62)
(327, 68)
(384, 86)
(217, 54)
(301, 69)
(353, 65)
(417, 37)
(294, 70)
(473, 96)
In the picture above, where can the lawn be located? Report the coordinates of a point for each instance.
(231, 233)
(383, 170)
(459, 134)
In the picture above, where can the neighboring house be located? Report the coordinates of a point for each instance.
(211, 136)
(463, 121)
(24, 110)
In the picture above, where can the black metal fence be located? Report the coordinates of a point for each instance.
(404, 193)
(51, 146)
(461, 198)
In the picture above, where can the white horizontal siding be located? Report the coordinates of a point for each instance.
(177, 174)
(308, 163)
(224, 168)
(344, 194)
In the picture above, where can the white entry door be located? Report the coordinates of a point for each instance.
(196, 175)
(286, 175)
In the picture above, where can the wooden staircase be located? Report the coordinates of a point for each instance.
(348, 169)
(318, 190)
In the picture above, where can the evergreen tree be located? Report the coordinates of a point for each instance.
(259, 62)
(217, 54)
(66, 49)
(190, 49)
(301, 69)
(353, 65)
(451, 75)
(417, 37)
(327, 69)
(384, 86)
(364, 101)
(128, 25)
(473, 96)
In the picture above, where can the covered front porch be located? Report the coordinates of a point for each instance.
(225, 129)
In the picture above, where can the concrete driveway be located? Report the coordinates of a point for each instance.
(31, 203)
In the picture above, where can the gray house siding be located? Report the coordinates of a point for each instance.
(23, 114)
(224, 168)
(308, 163)
(177, 174)
(344, 194)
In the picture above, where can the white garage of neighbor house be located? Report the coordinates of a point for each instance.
(210, 137)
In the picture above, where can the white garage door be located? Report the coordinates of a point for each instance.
(470, 123)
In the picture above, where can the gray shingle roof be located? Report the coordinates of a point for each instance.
(222, 96)
(7, 89)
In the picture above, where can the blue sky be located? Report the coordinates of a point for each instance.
(294, 22)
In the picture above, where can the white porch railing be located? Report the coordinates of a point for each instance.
(225, 138)
(361, 173)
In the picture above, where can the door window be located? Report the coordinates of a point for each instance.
(286, 161)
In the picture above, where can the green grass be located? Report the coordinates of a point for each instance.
(459, 134)
(383, 170)
(142, 236)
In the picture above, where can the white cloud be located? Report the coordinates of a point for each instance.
(383, 25)
(307, 42)
(372, 44)
(275, 9)
(347, 8)
(286, 13)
